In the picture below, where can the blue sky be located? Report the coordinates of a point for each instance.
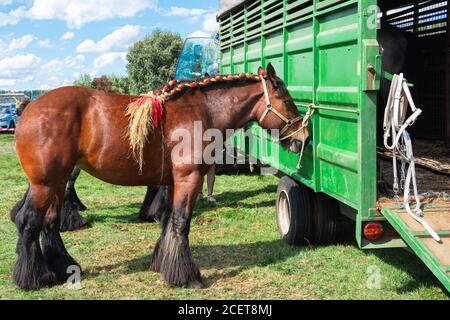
(49, 43)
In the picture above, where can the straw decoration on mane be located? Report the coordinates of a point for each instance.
(145, 115)
(146, 112)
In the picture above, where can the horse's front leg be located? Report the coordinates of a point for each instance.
(172, 255)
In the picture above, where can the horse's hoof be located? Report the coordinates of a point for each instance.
(144, 219)
(79, 224)
(81, 207)
(82, 224)
(47, 280)
(195, 285)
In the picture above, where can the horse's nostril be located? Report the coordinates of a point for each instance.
(296, 146)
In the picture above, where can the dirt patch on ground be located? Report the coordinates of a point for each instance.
(433, 187)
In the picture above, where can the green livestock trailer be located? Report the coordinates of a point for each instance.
(328, 54)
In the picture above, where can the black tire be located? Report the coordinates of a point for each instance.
(325, 211)
(294, 209)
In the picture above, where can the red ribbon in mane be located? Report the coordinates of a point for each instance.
(157, 112)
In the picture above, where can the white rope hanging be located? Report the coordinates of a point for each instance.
(395, 125)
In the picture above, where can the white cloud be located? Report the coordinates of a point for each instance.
(16, 44)
(21, 61)
(5, 2)
(68, 35)
(78, 12)
(45, 44)
(185, 12)
(55, 71)
(27, 71)
(209, 27)
(56, 66)
(19, 66)
(199, 34)
(7, 82)
(118, 40)
(12, 17)
(107, 59)
(28, 78)
(21, 43)
(210, 23)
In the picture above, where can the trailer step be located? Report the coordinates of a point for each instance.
(435, 255)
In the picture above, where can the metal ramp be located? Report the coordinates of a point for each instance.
(435, 255)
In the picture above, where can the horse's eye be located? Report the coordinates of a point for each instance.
(288, 104)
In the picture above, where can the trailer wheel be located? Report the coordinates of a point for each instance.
(325, 211)
(294, 212)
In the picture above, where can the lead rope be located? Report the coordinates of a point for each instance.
(289, 123)
(305, 124)
(395, 126)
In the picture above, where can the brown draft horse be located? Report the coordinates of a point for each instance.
(70, 218)
(77, 126)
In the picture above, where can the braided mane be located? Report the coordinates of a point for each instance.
(175, 88)
(146, 113)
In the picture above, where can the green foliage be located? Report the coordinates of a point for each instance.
(112, 83)
(120, 84)
(85, 80)
(153, 61)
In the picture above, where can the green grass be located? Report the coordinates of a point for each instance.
(235, 243)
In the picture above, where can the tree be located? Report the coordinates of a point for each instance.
(85, 80)
(102, 83)
(153, 61)
(112, 83)
(120, 84)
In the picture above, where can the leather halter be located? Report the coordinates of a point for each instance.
(270, 108)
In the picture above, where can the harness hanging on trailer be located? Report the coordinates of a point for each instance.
(395, 125)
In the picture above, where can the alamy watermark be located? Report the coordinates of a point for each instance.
(374, 15)
(74, 279)
(374, 280)
(211, 147)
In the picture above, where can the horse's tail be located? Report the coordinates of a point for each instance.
(145, 114)
(22, 106)
(18, 206)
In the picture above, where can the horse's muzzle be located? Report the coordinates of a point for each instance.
(296, 145)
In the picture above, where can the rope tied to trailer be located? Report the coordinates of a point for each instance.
(305, 124)
(395, 124)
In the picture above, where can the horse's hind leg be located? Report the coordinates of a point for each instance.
(18, 206)
(172, 256)
(55, 253)
(31, 270)
(36, 268)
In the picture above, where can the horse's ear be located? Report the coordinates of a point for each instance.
(261, 72)
(271, 73)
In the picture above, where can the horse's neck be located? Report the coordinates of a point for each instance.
(233, 108)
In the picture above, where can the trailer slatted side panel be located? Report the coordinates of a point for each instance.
(321, 49)
(427, 21)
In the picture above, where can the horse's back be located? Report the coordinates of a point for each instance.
(51, 126)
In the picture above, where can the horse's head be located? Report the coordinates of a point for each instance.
(278, 111)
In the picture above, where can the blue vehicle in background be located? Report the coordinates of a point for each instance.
(8, 116)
